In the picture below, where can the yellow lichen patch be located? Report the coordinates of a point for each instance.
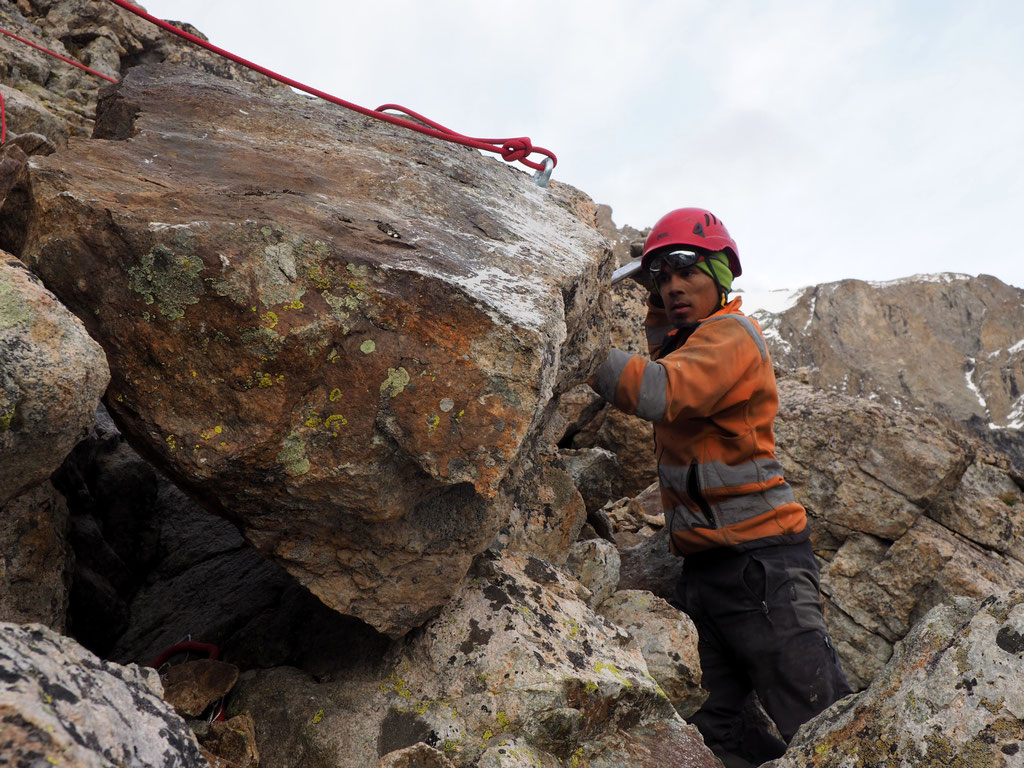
(614, 671)
(270, 319)
(432, 421)
(314, 420)
(264, 380)
(319, 716)
(590, 687)
(335, 395)
(293, 305)
(206, 434)
(503, 721)
(576, 757)
(396, 684)
(451, 745)
(657, 688)
(320, 280)
(520, 754)
(5, 420)
(573, 626)
(334, 421)
(172, 443)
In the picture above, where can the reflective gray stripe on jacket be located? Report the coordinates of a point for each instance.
(606, 378)
(714, 477)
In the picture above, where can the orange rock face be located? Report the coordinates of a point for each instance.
(338, 333)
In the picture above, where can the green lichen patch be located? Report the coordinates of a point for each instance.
(292, 456)
(6, 418)
(396, 382)
(14, 312)
(168, 279)
(368, 347)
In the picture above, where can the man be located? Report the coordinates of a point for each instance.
(750, 580)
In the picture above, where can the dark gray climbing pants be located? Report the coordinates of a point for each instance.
(760, 626)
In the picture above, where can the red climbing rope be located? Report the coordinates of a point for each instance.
(511, 150)
(211, 651)
(56, 55)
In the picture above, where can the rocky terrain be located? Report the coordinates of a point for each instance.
(296, 417)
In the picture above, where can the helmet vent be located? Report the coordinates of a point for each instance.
(698, 229)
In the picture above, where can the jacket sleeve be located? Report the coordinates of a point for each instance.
(714, 370)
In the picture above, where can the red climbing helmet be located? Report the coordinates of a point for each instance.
(697, 228)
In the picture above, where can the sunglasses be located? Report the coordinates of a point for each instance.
(673, 260)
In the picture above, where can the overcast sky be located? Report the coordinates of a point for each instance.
(871, 139)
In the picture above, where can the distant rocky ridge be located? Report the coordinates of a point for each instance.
(951, 344)
(526, 647)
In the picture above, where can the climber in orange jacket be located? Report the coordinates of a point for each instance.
(750, 579)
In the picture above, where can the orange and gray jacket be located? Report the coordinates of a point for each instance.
(712, 397)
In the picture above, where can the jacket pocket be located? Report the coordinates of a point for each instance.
(694, 492)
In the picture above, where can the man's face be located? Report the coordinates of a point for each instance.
(689, 294)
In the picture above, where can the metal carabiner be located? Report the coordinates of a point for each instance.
(540, 178)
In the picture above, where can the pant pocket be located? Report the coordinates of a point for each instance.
(805, 599)
(756, 582)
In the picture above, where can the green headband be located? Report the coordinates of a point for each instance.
(716, 265)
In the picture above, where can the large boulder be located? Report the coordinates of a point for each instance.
(668, 640)
(951, 695)
(52, 375)
(516, 665)
(60, 705)
(336, 332)
(51, 378)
